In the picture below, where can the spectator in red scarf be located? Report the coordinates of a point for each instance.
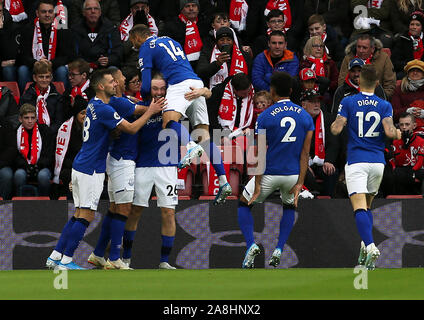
(34, 152)
(409, 93)
(409, 45)
(324, 152)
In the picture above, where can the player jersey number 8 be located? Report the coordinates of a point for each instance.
(85, 131)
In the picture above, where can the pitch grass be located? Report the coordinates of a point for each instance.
(212, 284)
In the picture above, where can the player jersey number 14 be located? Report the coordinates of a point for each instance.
(174, 51)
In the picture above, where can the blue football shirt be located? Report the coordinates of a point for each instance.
(364, 113)
(166, 56)
(101, 118)
(286, 125)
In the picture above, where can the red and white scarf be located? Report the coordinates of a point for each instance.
(37, 41)
(319, 147)
(228, 108)
(366, 61)
(417, 45)
(193, 43)
(238, 64)
(128, 24)
(284, 6)
(62, 143)
(23, 144)
(16, 9)
(375, 4)
(350, 83)
(79, 90)
(61, 13)
(238, 14)
(318, 65)
(42, 113)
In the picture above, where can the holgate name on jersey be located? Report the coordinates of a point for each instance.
(285, 108)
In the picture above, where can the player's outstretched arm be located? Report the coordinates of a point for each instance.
(338, 125)
(198, 92)
(390, 129)
(132, 127)
(304, 159)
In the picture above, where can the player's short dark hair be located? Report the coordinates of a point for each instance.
(368, 77)
(282, 83)
(240, 81)
(156, 75)
(406, 115)
(141, 30)
(97, 77)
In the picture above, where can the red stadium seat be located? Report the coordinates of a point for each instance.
(27, 86)
(60, 87)
(404, 196)
(62, 198)
(1, 198)
(323, 197)
(13, 86)
(31, 198)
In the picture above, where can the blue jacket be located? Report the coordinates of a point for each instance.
(262, 68)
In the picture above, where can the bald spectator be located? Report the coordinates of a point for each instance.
(110, 9)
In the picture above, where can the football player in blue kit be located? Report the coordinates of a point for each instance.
(166, 56)
(286, 129)
(152, 171)
(89, 165)
(368, 119)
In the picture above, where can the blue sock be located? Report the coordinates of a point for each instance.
(363, 225)
(181, 131)
(286, 225)
(61, 243)
(369, 213)
(104, 235)
(245, 220)
(214, 155)
(117, 227)
(75, 236)
(127, 242)
(167, 244)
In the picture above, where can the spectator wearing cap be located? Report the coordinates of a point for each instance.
(307, 79)
(223, 60)
(325, 147)
(350, 85)
(97, 39)
(109, 9)
(139, 14)
(409, 93)
(401, 14)
(369, 49)
(409, 45)
(316, 58)
(188, 28)
(276, 58)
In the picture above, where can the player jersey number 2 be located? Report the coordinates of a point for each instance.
(292, 125)
(370, 115)
(174, 52)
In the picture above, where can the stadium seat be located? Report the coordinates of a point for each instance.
(323, 197)
(233, 159)
(13, 86)
(31, 198)
(27, 86)
(1, 198)
(62, 198)
(404, 196)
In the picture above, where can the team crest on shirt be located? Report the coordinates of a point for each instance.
(340, 108)
(116, 116)
(140, 62)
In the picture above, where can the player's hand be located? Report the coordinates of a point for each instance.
(157, 105)
(328, 168)
(222, 58)
(194, 93)
(255, 195)
(103, 61)
(295, 191)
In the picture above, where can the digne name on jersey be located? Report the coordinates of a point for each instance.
(367, 102)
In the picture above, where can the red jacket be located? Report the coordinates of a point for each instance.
(412, 156)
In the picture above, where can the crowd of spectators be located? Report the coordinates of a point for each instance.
(50, 48)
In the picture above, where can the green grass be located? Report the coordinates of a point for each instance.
(213, 284)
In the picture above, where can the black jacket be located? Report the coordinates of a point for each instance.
(65, 50)
(107, 43)
(9, 112)
(54, 105)
(9, 51)
(402, 53)
(46, 159)
(8, 146)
